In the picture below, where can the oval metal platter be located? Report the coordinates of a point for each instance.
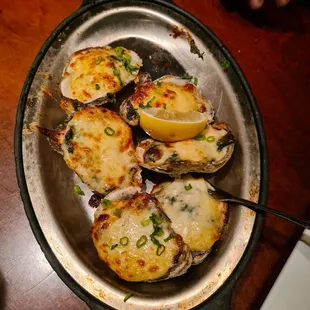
(61, 220)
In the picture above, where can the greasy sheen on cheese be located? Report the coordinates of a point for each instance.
(98, 146)
(207, 152)
(123, 234)
(168, 92)
(95, 72)
(194, 214)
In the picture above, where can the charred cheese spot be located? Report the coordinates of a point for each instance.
(195, 215)
(131, 262)
(95, 72)
(100, 160)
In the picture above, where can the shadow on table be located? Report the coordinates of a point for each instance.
(2, 292)
(282, 245)
(288, 19)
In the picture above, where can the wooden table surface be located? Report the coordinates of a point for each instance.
(273, 49)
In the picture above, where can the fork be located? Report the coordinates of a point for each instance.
(221, 195)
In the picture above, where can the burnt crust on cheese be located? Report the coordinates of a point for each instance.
(165, 92)
(103, 162)
(195, 215)
(190, 155)
(128, 261)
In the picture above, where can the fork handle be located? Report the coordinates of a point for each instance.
(256, 207)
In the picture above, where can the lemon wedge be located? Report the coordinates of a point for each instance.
(170, 125)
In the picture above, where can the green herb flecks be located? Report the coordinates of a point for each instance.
(210, 139)
(105, 203)
(159, 83)
(109, 131)
(141, 242)
(188, 187)
(172, 200)
(187, 77)
(171, 236)
(225, 64)
(174, 157)
(124, 241)
(125, 59)
(117, 212)
(160, 250)
(97, 86)
(128, 295)
(195, 81)
(148, 104)
(77, 190)
(146, 222)
(156, 219)
(98, 60)
(117, 73)
(200, 138)
(114, 246)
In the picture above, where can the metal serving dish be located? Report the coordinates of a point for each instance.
(61, 220)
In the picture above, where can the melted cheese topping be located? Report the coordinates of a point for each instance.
(195, 215)
(95, 72)
(103, 162)
(191, 149)
(128, 261)
(171, 93)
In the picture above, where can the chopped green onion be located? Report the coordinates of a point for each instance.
(109, 131)
(124, 241)
(160, 250)
(97, 86)
(117, 212)
(159, 83)
(200, 138)
(188, 187)
(98, 60)
(195, 81)
(128, 295)
(105, 203)
(148, 104)
(172, 200)
(187, 77)
(141, 242)
(77, 190)
(165, 106)
(146, 222)
(114, 246)
(171, 236)
(210, 139)
(160, 232)
(154, 240)
(156, 219)
(119, 51)
(225, 64)
(117, 73)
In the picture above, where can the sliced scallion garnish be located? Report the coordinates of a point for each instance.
(141, 242)
(210, 139)
(109, 131)
(117, 212)
(77, 190)
(160, 250)
(105, 203)
(114, 246)
(200, 138)
(124, 241)
(98, 60)
(146, 222)
(97, 86)
(188, 187)
(195, 81)
(128, 295)
(171, 236)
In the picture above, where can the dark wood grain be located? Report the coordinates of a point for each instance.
(273, 49)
